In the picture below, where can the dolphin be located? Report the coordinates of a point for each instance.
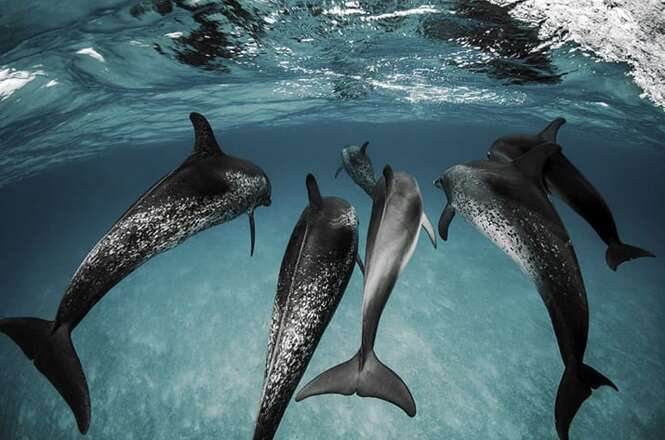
(357, 164)
(506, 202)
(564, 180)
(315, 271)
(397, 216)
(207, 189)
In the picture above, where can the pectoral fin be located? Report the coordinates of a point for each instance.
(444, 222)
(427, 226)
(360, 264)
(252, 231)
(339, 170)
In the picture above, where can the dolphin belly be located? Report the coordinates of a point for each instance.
(308, 309)
(548, 261)
(139, 236)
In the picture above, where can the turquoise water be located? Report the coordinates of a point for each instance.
(177, 349)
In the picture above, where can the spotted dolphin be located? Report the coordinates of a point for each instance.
(207, 189)
(564, 180)
(507, 203)
(397, 216)
(358, 165)
(315, 271)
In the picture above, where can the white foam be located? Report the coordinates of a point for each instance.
(174, 35)
(12, 80)
(627, 31)
(420, 10)
(92, 53)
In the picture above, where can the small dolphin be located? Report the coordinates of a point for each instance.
(568, 183)
(209, 188)
(507, 203)
(397, 216)
(357, 164)
(316, 269)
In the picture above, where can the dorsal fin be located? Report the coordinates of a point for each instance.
(549, 133)
(532, 162)
(363, 147)
(205, 143)
(388, 175)
(313, 191)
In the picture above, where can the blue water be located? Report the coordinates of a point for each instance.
(177, 349)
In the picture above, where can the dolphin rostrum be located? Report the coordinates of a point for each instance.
(207, 189)
(507, 203)
(316, 269)
(397, 216)
(564, 180)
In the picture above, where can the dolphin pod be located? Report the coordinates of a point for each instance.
(565, 181)
(207, 189)
(397, 216)
(507, 203)
(506, 197)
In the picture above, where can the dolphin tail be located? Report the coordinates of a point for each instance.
(575, 388)
(373, 380)
(618, 253)
(55, 357)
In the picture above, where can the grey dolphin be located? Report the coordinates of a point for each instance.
(397, 216)
(316, 269)
(564, 180)
(209, 188)
(507, 203)
(358, 165)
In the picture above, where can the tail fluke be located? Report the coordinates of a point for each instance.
(341, 379)
(55, 357)
(374, 380)
(377, 380)
(618, 253)
(574, 389)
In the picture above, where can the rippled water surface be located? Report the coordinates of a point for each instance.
(94, 98)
